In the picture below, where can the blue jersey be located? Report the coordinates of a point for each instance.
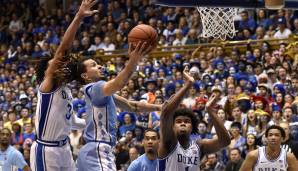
(11, 159)
(101, 114)
(142, 163)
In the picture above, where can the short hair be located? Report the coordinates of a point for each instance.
(81, 68)
(7, 130)
(287, 107)
(235, 148)
(281, 130)
(28, 123)
(25, 108)
(188, 113)
(203, 122)
(295, 77)
(212, 154)
(151, 130)
(237, 124)
(244, 12)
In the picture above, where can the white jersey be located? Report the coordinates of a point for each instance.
(181, 159)
(53, 114)
(264, 164)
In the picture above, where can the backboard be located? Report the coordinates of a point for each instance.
(223, 3)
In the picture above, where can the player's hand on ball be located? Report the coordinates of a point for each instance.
(139, 51)
(85, 8)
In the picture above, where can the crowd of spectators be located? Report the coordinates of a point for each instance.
(257, 88)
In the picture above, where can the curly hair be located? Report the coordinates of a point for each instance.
(66, 72)
(188, 113)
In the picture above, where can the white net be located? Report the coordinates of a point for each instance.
(218, 22)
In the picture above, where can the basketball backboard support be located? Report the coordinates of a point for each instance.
(223, 3)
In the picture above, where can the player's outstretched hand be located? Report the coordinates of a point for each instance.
(210, 105)
(85, 8)
(139, 51)
(187, 76)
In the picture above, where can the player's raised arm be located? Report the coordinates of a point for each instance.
(135, 106)
(223, 138)
(168, 140)
(77, 123)
(67, 40)
(122, 78)
(292, 162)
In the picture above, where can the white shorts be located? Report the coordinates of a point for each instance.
(95, 156)
(45, 158)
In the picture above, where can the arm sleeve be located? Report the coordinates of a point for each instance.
(18, 160)
(95, 93)
(134, 166)
(77, 123)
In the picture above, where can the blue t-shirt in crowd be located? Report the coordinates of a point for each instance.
(11, 159)
(142, 163)
(30, 136)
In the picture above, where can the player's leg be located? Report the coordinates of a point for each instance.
(33, 156)
(37, 157)
(58, 158)
(106, 156)
(68, 159)
(90, 158)
(80, 163)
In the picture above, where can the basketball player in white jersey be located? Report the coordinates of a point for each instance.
(100, 133)
(177, 152)
(271, 157)
(51, 151)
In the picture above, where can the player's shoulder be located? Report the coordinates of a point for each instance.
(14, 152)
(290, 156)
(89, 85)
(94, 84)
(253, 154)
(141, 158)
(136, 164)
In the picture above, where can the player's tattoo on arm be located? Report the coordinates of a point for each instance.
(129, 74)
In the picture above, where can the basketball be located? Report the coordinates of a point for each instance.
(145, 33)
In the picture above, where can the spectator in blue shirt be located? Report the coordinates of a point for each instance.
(28, 132)
(263, 20)
(246, 22)
(147, 161)
(128, 120)
(10, 158)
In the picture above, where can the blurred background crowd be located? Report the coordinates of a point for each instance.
(257, 88)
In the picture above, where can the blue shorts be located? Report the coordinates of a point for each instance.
(95, 156)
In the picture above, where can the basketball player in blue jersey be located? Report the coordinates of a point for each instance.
(177, 152)
(51, 151)
(100, 133)
(10, 158)
(271, 157)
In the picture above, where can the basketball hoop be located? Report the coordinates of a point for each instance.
(274, 4)
(218, 22)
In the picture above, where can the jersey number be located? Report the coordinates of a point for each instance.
(68, 114)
